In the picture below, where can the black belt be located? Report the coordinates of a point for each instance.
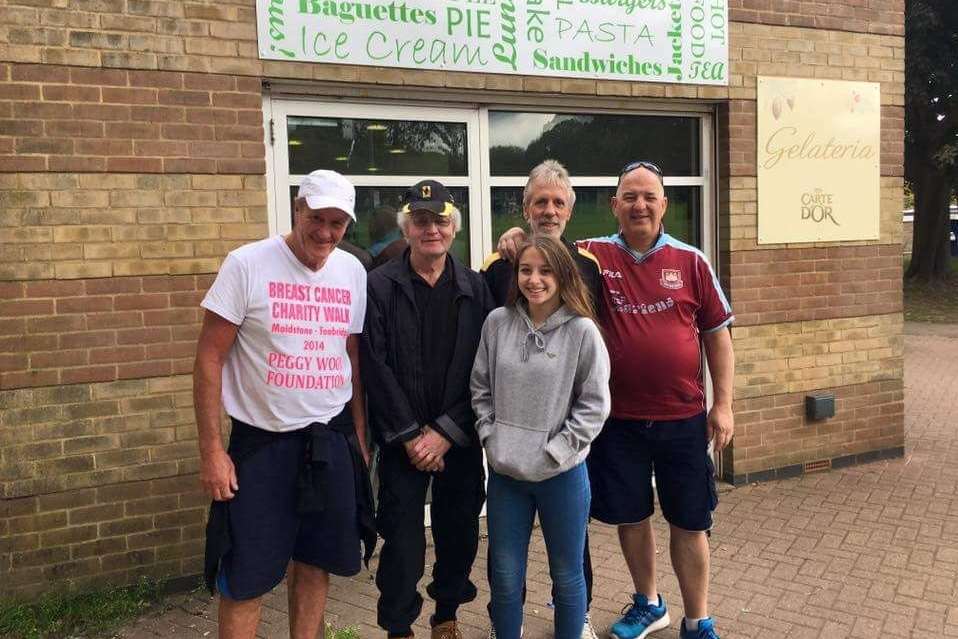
(312, 482)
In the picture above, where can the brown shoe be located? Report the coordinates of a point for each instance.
(446, 630)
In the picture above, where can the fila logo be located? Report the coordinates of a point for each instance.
(426, 191)
(612, 275)
(671, 278)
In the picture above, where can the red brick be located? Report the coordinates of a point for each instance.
(135, 130)
(101, 112)
(21, 163)
(10, 91)
(184, 98)
(237, 100)
(117, 354)
(59, 359)
(62, 146)
(87, 339)
(142, 301)
(13, 290)
(104, 147)
(156, 79)
(161, 148)
(86, 304)
(21, 127)
(113, 285)
(124, 95)
(88, 374)
(20, 308)
(158, 114)
(54, 288)
(44, 110)
(188, 165)
(28, 379)
(98, 77)
(140, 370)
(71, 93)
(74, 128)
(252, 167)
(208, 82)
(149, 335)
(39, 73)
(188, 132)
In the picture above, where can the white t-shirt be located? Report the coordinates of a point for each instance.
(288, 366)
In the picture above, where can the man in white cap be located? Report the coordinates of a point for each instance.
(279, 351)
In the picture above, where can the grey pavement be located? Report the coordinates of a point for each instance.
(869, 551)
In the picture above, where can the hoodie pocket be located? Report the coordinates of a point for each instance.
(519, 452)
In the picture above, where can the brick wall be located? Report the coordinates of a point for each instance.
(96, 482)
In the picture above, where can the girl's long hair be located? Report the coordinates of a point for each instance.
(572, 289)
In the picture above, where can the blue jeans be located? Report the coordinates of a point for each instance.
(563, 506)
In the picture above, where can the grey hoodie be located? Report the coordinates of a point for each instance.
(540, 396)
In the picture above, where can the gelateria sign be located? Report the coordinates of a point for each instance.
(646, 40)
(819, 145)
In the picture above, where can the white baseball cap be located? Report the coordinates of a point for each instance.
(324, 189)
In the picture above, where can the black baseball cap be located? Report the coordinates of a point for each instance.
(428, 195)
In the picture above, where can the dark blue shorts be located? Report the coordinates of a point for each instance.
(622, 461)
(265, 529)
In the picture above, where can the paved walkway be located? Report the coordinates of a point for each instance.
(869, 551)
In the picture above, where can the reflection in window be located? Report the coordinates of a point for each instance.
(592, 145)
(376, 147)
(374, 238)
(592, 215)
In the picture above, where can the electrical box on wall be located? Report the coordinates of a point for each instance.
(820, 405)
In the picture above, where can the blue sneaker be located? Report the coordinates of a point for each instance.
(641, 619)
(706, 630)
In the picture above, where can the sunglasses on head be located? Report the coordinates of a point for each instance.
(641, 164)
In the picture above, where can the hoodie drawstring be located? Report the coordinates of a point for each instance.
(538, 338)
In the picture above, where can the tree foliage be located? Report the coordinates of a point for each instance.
(931, 128)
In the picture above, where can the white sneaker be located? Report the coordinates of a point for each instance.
(588, 632)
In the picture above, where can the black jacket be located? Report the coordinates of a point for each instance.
(391, 359)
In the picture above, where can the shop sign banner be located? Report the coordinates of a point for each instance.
(683, 41)
(819, 146)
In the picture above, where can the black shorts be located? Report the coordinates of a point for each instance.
(622, 461)
(265, 529)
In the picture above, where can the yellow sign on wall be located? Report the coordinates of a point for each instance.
(819, 145)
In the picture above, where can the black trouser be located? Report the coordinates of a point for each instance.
(457, 497)
(586, 569)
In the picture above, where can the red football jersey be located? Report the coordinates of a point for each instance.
(656, 306)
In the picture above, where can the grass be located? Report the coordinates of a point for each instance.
(936, 302)
(94, 613)
(349, 632)
(88, 613)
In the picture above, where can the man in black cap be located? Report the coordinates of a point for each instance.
(424, 317)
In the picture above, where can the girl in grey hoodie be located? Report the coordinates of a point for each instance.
(540, 390)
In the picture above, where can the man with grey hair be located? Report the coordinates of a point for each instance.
(423, 322)
(547, 201)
